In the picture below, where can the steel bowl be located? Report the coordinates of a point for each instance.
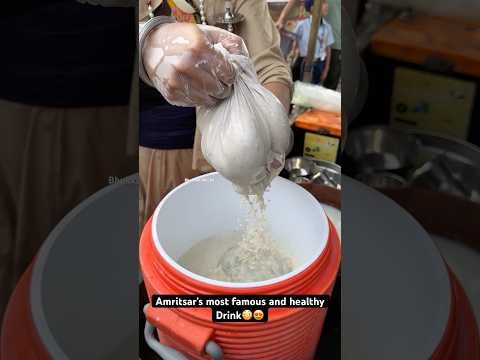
(299, 167)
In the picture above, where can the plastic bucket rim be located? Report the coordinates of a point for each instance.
(236, 285)
(330, 257)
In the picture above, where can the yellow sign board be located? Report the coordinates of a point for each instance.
(320, 147)
(432, 102)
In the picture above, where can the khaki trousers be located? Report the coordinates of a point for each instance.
(160, 171)
(50, 160)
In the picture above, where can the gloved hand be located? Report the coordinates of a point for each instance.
(184, 65)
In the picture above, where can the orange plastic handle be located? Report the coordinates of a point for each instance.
(187, 335)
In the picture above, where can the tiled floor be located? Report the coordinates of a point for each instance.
(465, 262)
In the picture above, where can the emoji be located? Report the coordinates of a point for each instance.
(246, 314)
(258, 314)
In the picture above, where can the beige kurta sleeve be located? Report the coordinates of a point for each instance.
(263, 42)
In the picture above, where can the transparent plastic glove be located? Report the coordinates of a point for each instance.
(185, 66)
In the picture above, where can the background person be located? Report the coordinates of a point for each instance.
(334, 18)
(322, 55)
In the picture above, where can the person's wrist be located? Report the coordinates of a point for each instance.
(156, 33)
(144, 33)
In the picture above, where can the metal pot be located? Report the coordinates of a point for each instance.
(382, 180)
(327, 173)
(381, 148)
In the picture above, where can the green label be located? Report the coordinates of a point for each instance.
(432, 102)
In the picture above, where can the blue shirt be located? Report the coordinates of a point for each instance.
(324, 38)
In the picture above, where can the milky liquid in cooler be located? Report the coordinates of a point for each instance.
(248, 255)
(203, 257)
(218, 258)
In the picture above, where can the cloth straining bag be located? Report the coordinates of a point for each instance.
(245, 137)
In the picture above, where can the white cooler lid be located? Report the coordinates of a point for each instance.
(395, 286)
(85, 317)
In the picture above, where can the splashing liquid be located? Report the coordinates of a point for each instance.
(248, 255)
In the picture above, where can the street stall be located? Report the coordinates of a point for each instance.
(423, 71)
